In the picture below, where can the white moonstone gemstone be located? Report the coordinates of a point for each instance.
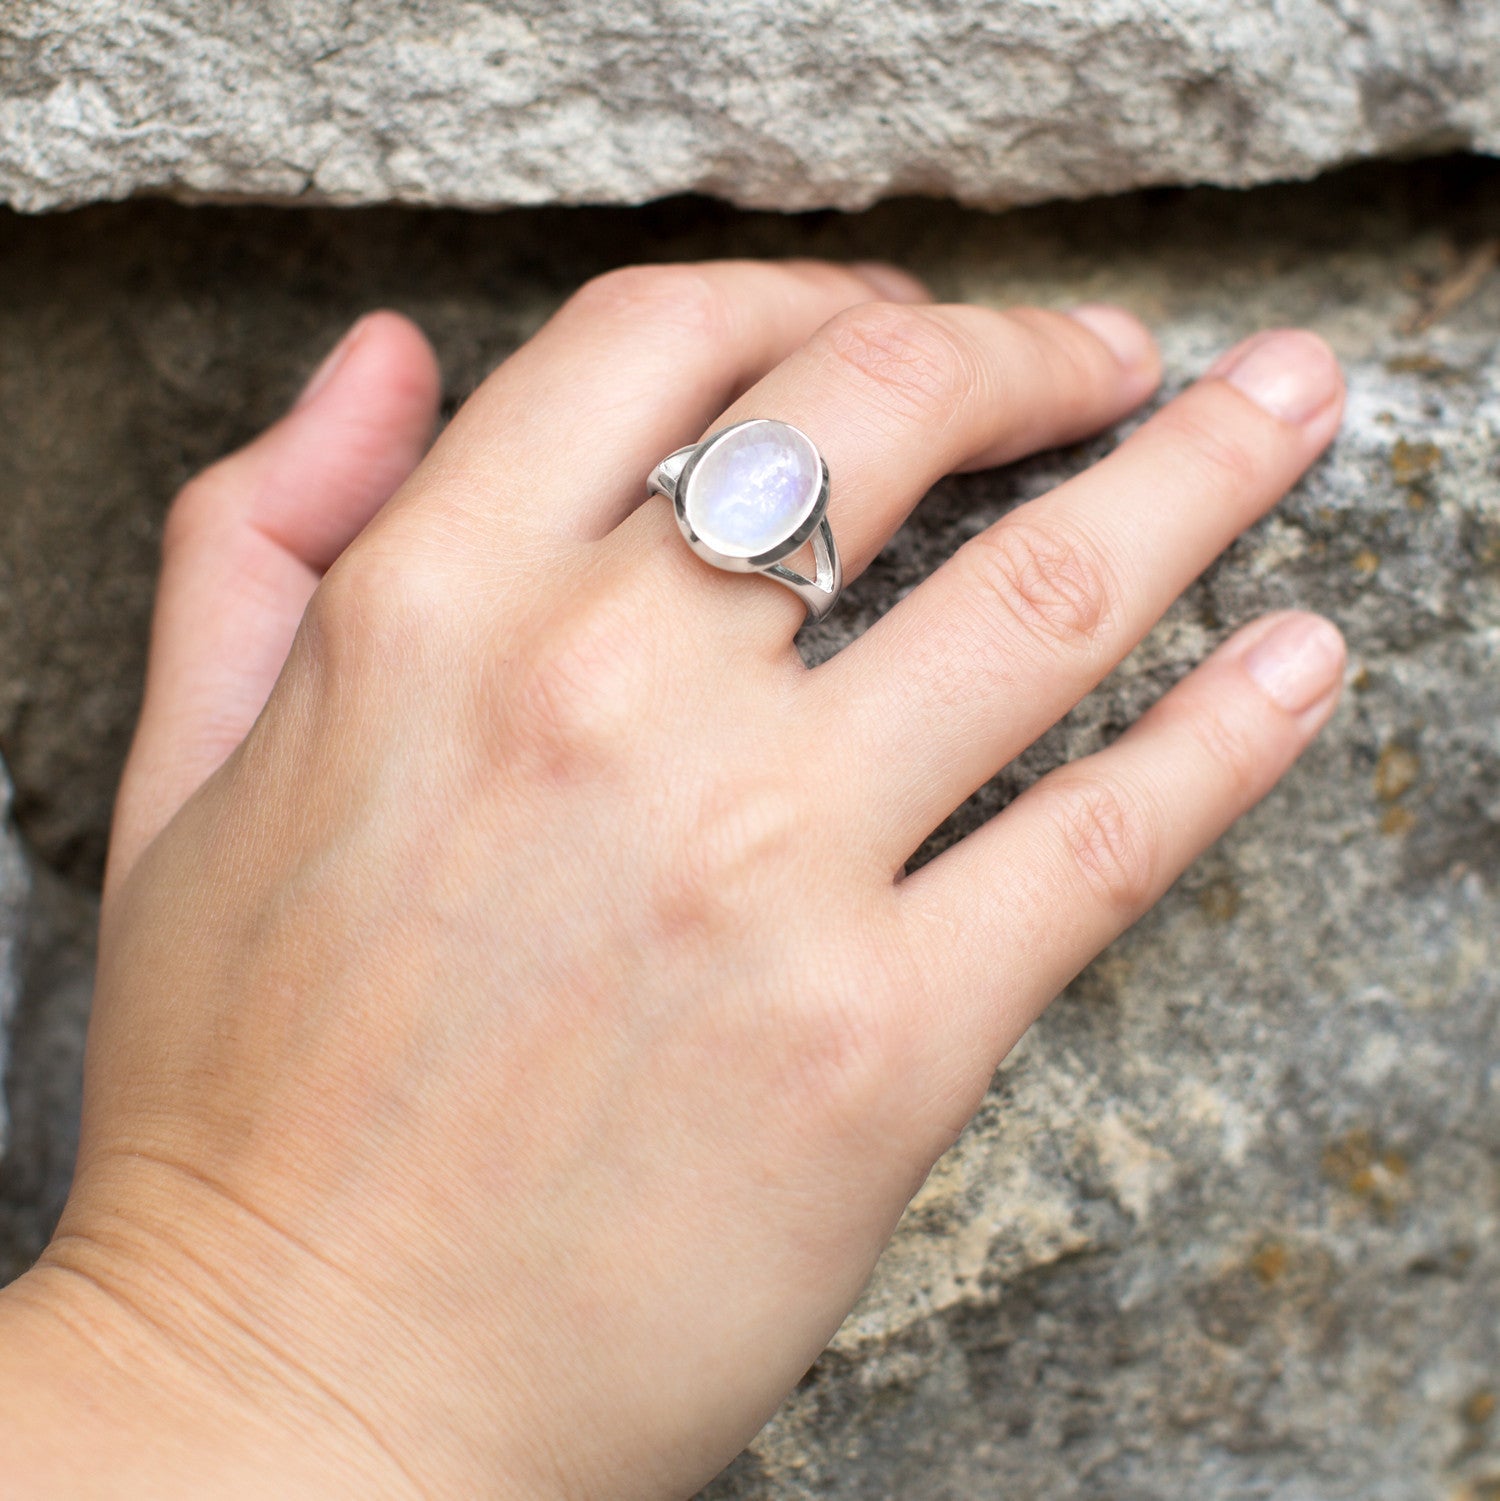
(753, 488)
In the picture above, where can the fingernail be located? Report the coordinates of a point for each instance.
(330, 366)
(1290, 373)
(1127, 337)
(891, 282)
(1298, 662)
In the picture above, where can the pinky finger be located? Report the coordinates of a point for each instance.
(1076, 859)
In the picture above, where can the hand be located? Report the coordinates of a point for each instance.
(515, 1040)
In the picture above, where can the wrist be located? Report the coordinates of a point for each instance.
(115, 1391)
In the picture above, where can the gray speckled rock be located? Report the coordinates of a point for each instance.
(15, 889)
(46, 964)
(1228, 1226)
(534, 101)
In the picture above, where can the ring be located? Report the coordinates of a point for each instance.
(747, 497)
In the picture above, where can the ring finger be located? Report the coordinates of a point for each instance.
(895, 397)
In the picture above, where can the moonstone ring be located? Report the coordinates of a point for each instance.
(747, 497)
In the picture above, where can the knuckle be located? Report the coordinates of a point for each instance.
(1231, 746)
(908, 355)
(719, 880)
(1072, 358)
(684, 298)
(575, 702)
(1053, 584)
(1218, 455)
(374, 605)
(847, 1060)
(1079, 371)
(1110, 840)
(328, 630)
(835, 1038)
(1048, 346)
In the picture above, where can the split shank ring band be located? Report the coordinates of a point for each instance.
(747, 497)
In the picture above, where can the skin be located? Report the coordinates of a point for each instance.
(515, 1038)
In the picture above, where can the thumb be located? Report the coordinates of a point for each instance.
(245, 545)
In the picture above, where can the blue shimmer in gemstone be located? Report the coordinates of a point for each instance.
(753, 488)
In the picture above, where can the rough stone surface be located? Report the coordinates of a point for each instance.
(1228, 1225)
(46, 955)
(15, 889)
(767, 104)
(46, 978)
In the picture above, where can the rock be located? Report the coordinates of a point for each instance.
(1228, 1225)
(472, 104)
(15, 889)
(46, 963)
